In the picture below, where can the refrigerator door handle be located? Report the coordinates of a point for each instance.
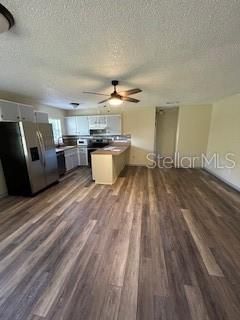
(41, 148)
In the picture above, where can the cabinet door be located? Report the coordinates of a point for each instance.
(97, 122)
(102, 120)
(41, 117)
(75, 158)
(70, 125)
(26, 113)
(82, 125)
(68, 160)
(114, 124)
(9, 111)
(82, 156)
(92, 120)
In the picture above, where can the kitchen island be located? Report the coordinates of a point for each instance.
(108, 162)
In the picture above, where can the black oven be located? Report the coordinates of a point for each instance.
(94, 145)
(90, 150)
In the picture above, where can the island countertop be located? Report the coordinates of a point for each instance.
(114, 149)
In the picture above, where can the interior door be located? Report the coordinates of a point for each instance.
(33, 154)
(50, 157)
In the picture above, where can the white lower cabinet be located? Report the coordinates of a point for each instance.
(82, 156)
(71, 158)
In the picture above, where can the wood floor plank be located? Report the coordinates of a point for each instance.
(23, 245)
(128, 306)
(9, 283)
(111, 304)
(158, 244)
(195, 302)
(205, 252)
(43, 306)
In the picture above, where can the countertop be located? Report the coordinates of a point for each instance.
(64, 148)
(114, 149)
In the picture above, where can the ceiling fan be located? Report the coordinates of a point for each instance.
(117, 98)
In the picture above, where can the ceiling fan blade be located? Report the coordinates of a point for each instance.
(99, 94)
(104, 100)
(129, 99)
(129, 92)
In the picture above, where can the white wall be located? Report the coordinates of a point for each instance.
(166, 132)
(192, 132)
(140, 123)
(137, 121)
(224, 137)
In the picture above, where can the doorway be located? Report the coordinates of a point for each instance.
(166, 132)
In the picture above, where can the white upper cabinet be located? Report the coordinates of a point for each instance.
(114, 124)
(92, 120)
(70, 125)
(26, 113)
(41, 117)
(82, 125)
(97, 122)
(9, 111)
(12, 111)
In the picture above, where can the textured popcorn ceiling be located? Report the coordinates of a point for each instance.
(185, 50)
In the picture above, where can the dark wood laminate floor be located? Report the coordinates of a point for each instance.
(159, 244)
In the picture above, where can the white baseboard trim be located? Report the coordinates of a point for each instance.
(222, 179)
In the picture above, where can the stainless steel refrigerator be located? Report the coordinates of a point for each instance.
(28, 156)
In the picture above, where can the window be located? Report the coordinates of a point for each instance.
(57, 129)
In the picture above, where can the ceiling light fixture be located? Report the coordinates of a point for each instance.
(6, 19)
(115, 102)
(75, 105)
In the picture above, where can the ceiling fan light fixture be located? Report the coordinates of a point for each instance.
(6, 19)
(115, 102)
(116, 98)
